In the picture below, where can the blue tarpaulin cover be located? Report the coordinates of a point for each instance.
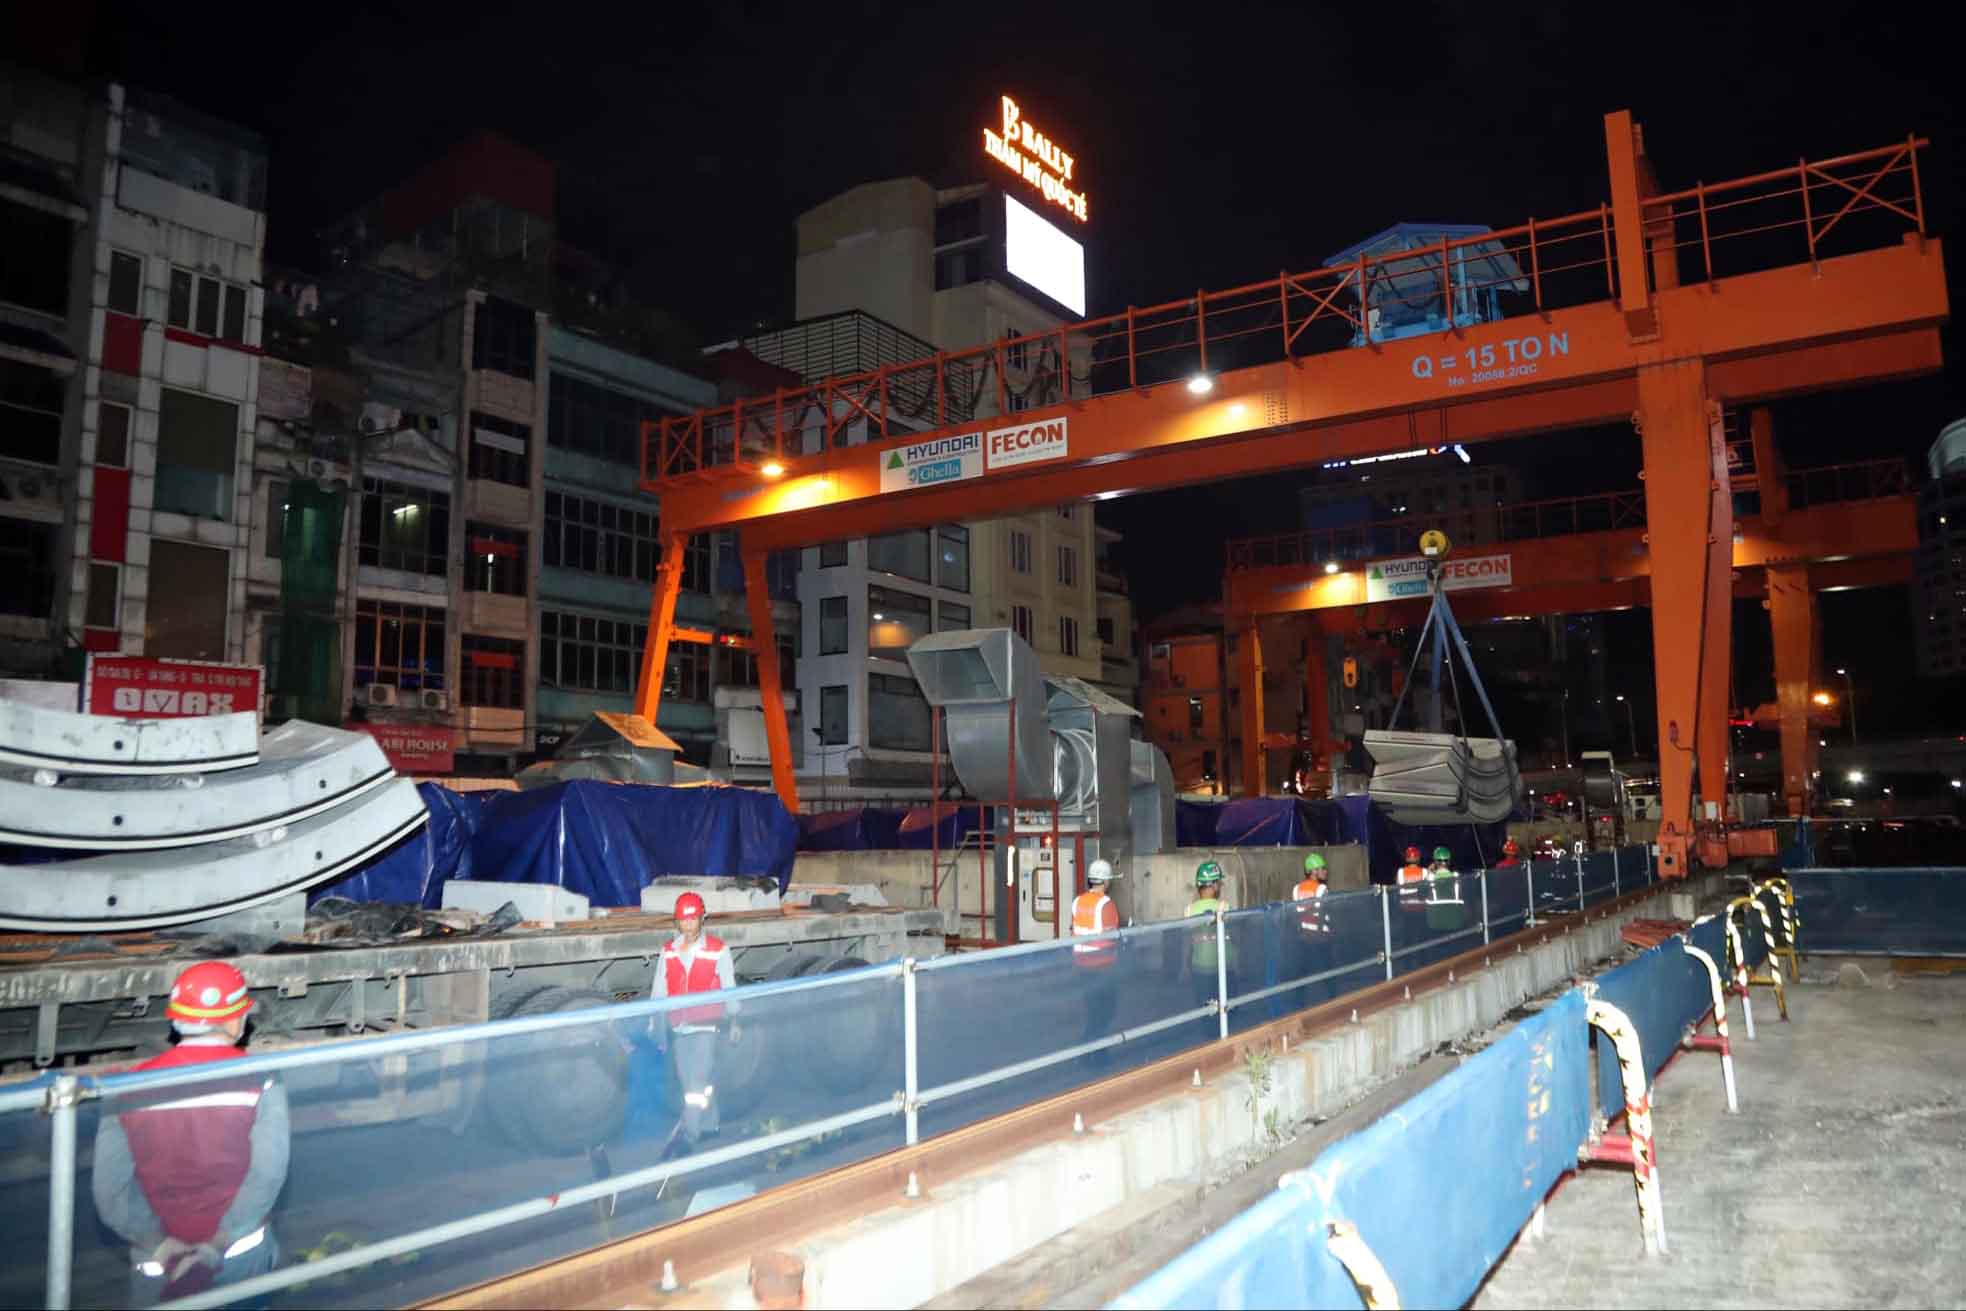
(1268, 822)
(603, 840)
(1886, 912)
(885, 828)
(1438, 1189)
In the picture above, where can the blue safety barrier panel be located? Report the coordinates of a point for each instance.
(1438, 1189)
(1663, 992)
(1881, 912)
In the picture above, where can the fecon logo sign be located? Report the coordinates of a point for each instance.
(1027, 444)
(1389, 580)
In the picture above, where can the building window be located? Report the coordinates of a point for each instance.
(30, 412)
(210, 307)
(895, 621)
(832, 555)
(959, 221)
(949, 617)
(1194, 715)
(276, 519)
(197, 449)
(1160, 653)
(905, 554)
(832, 625)
(897, 714)
(1106, 631)
(1020, 551)
(952, 557)
(34, 258)
(832, 716)
(186, 620)
(126, 283)
(1068, 512)
(735, 667)
(113, 435)
(401, 645)
(958, 268)
(1068, 635)
(696, 564)
(1016, 354)
(104, 609)
(687, 677)
(599, 421)
(503, 337)
(495, 560)
(1068, 566)
(1021, 621)
(27, 567)
(586, 653)
(493, 673)
(498, 450)
(599, 538)
(406, 528)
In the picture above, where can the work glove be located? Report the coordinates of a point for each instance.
(178, 1257)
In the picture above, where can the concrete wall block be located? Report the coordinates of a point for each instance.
(856, 1266)
(1290, 1088)
(1157, 1142)
(971, 1228)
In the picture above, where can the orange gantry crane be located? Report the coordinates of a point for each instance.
(1658, 307)
(1815, 530)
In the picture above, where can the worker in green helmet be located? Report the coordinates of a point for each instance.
(1445, 911)
(1201, 951)
(1309, 895)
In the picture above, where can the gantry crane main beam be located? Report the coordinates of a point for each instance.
(786, 470)
(1858, 543)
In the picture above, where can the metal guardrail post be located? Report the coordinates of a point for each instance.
(62, 1099)
(1222, 972)
(1616, 885)
(1529, 879)
(1579, 855)
(1386, 926)
(910, 1051)
(1484, 908)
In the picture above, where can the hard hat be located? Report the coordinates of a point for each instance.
(689, 906)
(1101, 871)
(1413, 855)
(1314, 864)
(208, 993)
(1208, 872)
(1509, 847)
(1442, 853)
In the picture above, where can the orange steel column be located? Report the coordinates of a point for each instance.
(1770, 474)
(1685, 493)
(662, 622)
(1621, 148)
(1717, 663)
(1792, 618)
(1317, 688)
(1249, 663)
(764, 645)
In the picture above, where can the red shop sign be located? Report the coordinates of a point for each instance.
(141, 687)
(414, 748)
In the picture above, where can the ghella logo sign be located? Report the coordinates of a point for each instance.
(972, 454)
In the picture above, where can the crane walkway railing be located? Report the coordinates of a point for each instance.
(1788, 216)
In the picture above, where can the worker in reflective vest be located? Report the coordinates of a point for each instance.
(1202, 955)
(188, 1174)
(1444, 910)
(1093, 913)
(1309, 895)
(1411, 876)
(1511, 854)
(694, 961)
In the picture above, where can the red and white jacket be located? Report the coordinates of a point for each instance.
(199, 1162)
(704, 968)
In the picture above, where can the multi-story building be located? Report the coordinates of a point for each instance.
(891, 272)
(1428, 489)
(1941, 576)
(129, 372)
(1184, 699)
(449, 542)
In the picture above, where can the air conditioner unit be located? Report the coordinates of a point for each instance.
(379, 694)
(318, 469)
(434, 700)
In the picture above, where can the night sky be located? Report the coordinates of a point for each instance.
(1218, 143)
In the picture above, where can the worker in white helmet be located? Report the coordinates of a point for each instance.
(1095, 925)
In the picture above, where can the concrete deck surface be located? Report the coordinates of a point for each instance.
(1841, 1183)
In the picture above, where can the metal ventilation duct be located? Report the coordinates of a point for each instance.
(974, 674)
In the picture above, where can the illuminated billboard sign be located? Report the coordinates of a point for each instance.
(1043, 256)
(1035, 157)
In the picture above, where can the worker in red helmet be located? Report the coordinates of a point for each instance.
(1411, 875)
(188, 1174)
(695, 961)
(1511, 854)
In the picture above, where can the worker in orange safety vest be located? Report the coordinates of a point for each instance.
(188, 1174)
(1412, 875)
(1094, 913)
(1309, 895)
(1511, 854)
(694, 961)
